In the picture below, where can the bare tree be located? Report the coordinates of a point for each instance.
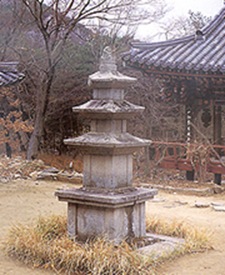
(9, 27)
(183, 25)
(55, 22)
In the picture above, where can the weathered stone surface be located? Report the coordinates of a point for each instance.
(107, 204)
(114, 80)
(218, 203)
(164, 245)
(219, 208)
(158, 200)
(106, 198)
(117, 214)
(200, 204)
(108, 108)
(107, 143)
(114, 172)
(179, 202)
(56, 174)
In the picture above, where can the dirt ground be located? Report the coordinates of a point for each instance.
(23, 201)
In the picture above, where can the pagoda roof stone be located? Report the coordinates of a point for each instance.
(108, 76)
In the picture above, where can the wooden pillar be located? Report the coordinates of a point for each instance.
(189, 137)
(217, 135)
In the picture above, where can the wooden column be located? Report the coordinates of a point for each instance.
(217, 135)
(189, 137)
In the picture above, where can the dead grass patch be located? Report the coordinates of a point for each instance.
(196, 239)
(45, 244)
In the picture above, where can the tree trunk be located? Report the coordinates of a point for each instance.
(34, 142)
(42, 100)
(36, 136)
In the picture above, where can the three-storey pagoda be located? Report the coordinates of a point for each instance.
(107, 204)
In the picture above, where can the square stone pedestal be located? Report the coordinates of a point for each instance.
(117, 215)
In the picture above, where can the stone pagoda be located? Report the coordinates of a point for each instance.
(107, 204)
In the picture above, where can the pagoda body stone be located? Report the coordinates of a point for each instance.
(107, 204)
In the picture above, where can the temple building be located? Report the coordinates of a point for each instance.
(193, 71)
(9, 74)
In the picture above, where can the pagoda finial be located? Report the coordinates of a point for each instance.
(107, 61)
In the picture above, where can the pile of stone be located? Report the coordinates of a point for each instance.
(18, 168)
(52, 173)
(217, 206)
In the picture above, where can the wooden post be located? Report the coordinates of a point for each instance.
(190, 175)
(217, 135)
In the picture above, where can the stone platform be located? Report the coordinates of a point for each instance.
(116, 214)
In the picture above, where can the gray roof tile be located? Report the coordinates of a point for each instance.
(203, 52)
(9, 74)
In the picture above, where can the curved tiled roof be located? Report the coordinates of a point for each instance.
(202, 53)
(9, 74)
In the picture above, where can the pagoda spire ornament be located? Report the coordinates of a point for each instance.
(107, 61)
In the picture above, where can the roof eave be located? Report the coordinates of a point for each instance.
(167, 71)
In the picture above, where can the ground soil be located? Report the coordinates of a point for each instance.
(22, 201)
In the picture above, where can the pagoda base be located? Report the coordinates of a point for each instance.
(116, 215)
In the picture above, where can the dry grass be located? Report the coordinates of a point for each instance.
(45, 244)
(196, 240)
